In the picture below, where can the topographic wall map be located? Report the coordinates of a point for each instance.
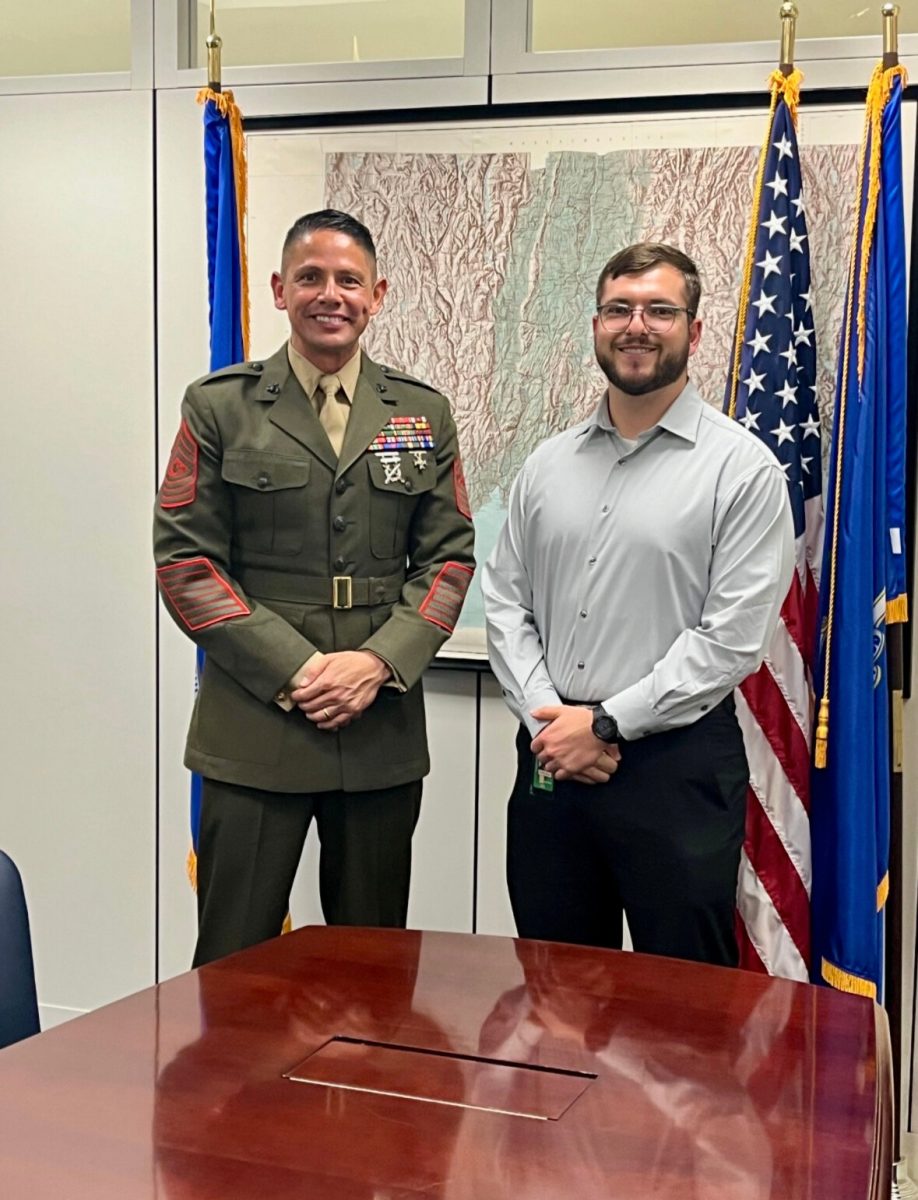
(492, 256)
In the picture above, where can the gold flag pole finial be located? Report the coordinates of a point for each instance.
(890, 36)
(788, 36)
(213, 44)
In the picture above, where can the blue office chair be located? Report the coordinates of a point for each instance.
(18, 1000)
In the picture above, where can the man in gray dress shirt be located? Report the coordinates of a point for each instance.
(637, 581)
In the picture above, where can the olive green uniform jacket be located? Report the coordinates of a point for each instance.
(269, 548)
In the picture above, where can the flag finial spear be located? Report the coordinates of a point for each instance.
(213, 44)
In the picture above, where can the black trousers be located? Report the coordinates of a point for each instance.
(250, 843)
(660, 842)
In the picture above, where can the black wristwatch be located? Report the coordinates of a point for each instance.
(604, 726)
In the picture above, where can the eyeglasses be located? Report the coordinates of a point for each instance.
(657, 318)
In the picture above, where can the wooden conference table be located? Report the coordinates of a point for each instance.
(337, 1064)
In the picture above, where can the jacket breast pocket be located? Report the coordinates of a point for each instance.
(270, 500)
(395, 490)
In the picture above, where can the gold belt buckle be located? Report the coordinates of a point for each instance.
(342, 592)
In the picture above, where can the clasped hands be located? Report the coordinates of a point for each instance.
(567, 747)
(336, 688)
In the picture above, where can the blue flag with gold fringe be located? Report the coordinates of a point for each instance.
(227, 281)
(863, 579)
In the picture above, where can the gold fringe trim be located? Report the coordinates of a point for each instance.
(897, 610)
(287, 926)
(228, 108)
(844, 981)
(883, 892)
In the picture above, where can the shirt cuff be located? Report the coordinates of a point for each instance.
(541, 699)
(282, 696)
(396, 682)
(634, 718)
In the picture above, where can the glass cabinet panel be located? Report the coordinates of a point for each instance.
(64, 37)
(270, 32)
(611, 24)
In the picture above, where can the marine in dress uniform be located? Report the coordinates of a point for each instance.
(271, 548)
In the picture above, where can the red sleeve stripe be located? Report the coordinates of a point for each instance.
(459, 486)
(443, 603)
(198, 594)
(180, 483)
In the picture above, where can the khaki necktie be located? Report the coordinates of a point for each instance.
(333, 413)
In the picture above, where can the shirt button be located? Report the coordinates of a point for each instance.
(583, 612)
(592, 559)
(605, 508)
(339, 524)
(341, 486)
(580, 665)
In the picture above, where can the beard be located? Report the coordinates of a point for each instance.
(670, 366)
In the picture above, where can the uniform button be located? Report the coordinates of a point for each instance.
(263, 480)
(339, 564)
(381, 387)
(339, 524)
(280, 697)
(273, 388)
(257, 366)
(409, 486)
(580, 665)
(341, 486)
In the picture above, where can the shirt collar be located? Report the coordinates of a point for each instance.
(681, 418)
(308, 374)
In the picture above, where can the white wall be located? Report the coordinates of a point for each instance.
(76, 475)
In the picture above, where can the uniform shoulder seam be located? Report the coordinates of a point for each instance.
(403, 377)
(251, 370)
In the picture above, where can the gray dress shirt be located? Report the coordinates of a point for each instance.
(648, 580)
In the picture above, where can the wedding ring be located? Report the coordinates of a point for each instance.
(327, 714)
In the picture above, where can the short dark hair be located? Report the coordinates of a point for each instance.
(330, 218)
(644, 256)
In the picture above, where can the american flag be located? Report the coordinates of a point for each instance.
(772, 391)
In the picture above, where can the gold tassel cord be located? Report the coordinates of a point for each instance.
(228, 108)
(748, 261)
(786, 87)
(883, 892)
(878, 95)
(821, 741)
